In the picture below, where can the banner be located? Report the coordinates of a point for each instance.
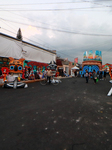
(85, 56)
(98, 55)
(76, 60)
(90, 54)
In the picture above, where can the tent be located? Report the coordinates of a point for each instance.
(75, 68)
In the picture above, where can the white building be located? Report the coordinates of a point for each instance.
(12, 47)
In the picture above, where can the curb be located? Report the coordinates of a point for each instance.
(37, 80)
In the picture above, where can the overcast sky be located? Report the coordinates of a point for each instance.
(70, 27)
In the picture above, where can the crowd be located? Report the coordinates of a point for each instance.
(95, 76)
(30, 74)
(27, 74)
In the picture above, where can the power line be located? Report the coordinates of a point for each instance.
(65, 9)
(30, 19)
(56, 50)
(23, 37)
(52, 3)
(8, 25)
(27, 38)
(44, 3)
(58, 30)
(36, 42)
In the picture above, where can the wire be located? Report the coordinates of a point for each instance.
(41, 48)
(31, 19)
(53, 3)
(59, 51)
(8, 25)
(71, 32)
(28, 39)
(44, 3)
(41, 3)
(65, 9)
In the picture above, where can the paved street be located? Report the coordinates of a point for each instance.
(73, 115)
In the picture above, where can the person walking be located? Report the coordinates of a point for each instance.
(94, 76)
(98, 74)
(87, 76)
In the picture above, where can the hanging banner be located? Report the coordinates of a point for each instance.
(98, 55)
(85, 56)
(90, 55)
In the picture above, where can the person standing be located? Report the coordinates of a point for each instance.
(87, 76)
(49, 74)
(75, 73)
(104, 74)
(94, 76)
(100, 76)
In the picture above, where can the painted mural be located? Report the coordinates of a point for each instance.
(35, 65)
(4, 62)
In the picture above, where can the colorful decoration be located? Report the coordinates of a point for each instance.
(4, 62)
(35, 65)
(52, 65)
(97, 56)
(5, 72)
(90, 68)
(31, 76)
(90, 54)
(110, 69)
(16, 66)
(85, 56)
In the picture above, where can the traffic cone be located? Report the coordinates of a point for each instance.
(110, 92)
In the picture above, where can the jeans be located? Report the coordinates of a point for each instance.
(87, 79)
(49, 78)
(94, 80)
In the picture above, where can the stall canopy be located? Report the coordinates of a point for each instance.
(12, 47)
(76, 68)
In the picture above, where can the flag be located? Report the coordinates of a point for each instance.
(76, 60)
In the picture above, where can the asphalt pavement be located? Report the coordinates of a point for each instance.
(73, 115)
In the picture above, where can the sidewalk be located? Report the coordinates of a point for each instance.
(37, 80)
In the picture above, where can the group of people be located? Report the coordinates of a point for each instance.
(38, 74)
(95, 76)
(32, 74)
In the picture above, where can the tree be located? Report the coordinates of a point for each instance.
(19, 35)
